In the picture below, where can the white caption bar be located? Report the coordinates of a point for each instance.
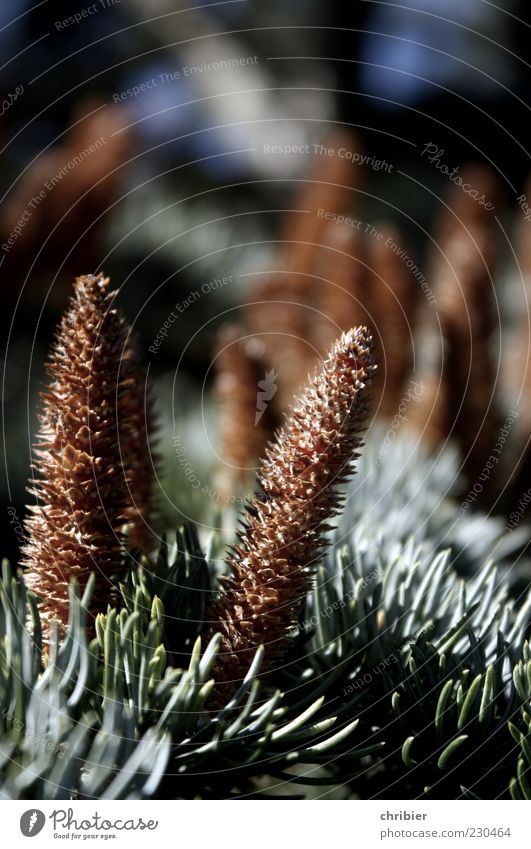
(261, 824)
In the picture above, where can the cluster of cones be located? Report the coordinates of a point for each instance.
(94, 470)
(434, 319)
(334, 272)
(60, 203)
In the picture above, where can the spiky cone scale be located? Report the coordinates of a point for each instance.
(80, 483)
(244, 428)
(271, 567)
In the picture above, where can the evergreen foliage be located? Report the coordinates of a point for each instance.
(403, 679)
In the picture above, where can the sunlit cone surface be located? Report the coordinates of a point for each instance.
(283, 536)
(80, 481)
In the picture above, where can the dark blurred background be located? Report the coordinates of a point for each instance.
(167, 146)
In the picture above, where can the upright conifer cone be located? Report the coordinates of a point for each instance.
(81, 482)
(283, 536)
(139, 459)
(244, 428)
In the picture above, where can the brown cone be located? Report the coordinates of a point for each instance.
(466, 408)
(244, 428)
(81, 483)
(393, 299)
(137, 423)
(284, 307)
(283, 536)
